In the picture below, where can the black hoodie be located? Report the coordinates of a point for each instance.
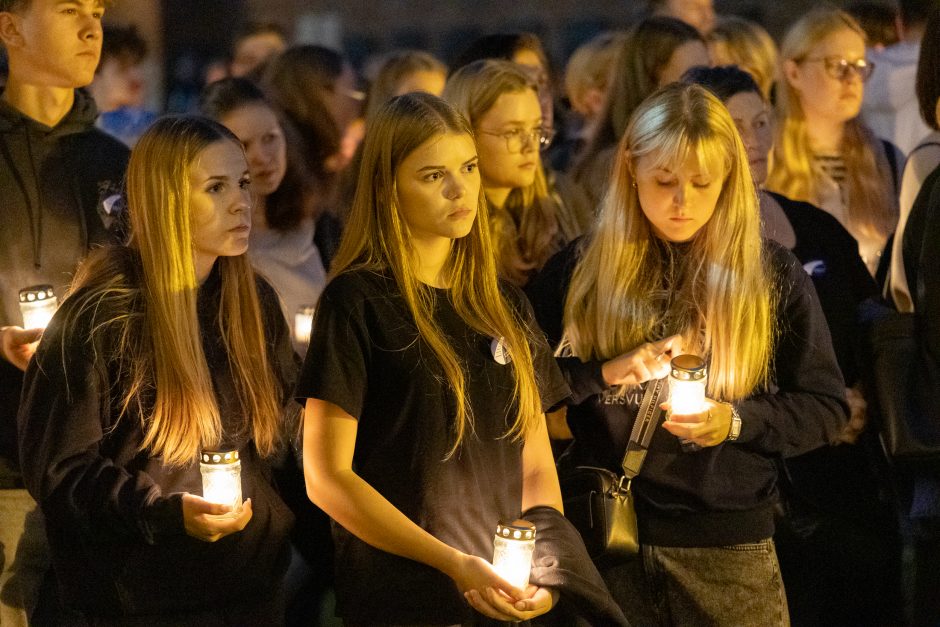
(60, 194)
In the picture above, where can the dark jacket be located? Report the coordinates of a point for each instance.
(113, 512)
(719, 495)
(60, 194)
(829, 255)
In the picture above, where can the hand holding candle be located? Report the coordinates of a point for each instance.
(18, 345)
(709, 427)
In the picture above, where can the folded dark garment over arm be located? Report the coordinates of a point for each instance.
(561, 562)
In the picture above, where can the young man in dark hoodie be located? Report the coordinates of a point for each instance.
(60, 184)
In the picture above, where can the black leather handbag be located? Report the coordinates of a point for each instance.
(906, 382)
(599, 502)
(905, 379)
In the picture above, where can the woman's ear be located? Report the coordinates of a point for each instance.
(792, 73)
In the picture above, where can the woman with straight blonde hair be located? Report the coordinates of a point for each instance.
(166, 348)
(425, 387)
(824, 154)
(529, 220)
(676, 265)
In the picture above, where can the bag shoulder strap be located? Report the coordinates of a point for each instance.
(646, 422)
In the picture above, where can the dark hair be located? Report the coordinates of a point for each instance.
(296, 81)
(928, 71)
(876, 19)
(286, 206)
(501, 46)
(124, 44)
(12, 6)
(644, 52)
(916, 11)
(724, 81)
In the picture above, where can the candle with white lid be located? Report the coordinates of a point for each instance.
(512, 551)
(37, 304)
(221, 478)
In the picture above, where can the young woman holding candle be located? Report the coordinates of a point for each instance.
(165, 347)
(528, 219)
(424, 423)
(674, 265)
(824, 154)
(834, 498)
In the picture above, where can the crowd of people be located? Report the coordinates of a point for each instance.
(399, 302)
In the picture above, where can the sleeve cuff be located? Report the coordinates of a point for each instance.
(163, 517)
(584, 377)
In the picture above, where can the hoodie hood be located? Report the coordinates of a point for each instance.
(79, 118)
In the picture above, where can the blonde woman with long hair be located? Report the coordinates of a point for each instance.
(676, 265)
(529, 221)
(741, 42)
(823, 153)
(425, 386)
(166, 347)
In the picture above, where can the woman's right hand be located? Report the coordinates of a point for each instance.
(474, 576)
(646, 362)
(203, 519)
(17, 345)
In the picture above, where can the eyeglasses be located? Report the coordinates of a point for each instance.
(516, 139)
(839, 68)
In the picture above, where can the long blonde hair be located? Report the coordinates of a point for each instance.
(526, 228)
(629, 288)
(871, 205)
(741, 42)
(162, 346)
(377, 239)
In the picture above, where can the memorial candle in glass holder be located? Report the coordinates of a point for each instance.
(687, 380)
(37, 304)
(303, 321)
(222, 478)
(512, 551)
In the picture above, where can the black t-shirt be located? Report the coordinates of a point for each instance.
(366, 357)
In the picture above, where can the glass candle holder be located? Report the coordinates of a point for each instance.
(37, 304)
(222, 478)
(687, 380)
(303, 323)
(512, 551)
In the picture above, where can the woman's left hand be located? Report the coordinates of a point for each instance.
(492, 602)
(707, 428)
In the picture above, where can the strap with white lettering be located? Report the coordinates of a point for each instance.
(646, 422)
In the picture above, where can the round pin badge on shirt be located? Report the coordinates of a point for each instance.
(500, 351)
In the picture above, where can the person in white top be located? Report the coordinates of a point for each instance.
(890, 107)
(923, 159)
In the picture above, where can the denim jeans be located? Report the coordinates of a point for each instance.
(737, 586)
